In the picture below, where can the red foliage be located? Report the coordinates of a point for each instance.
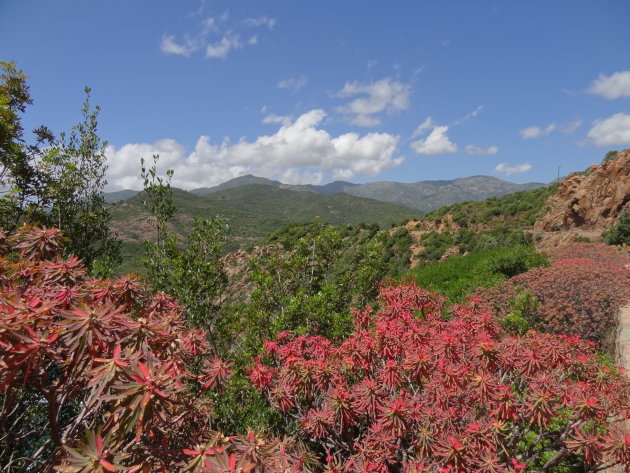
(578, 296)
(106, 359)
(409, 391)
(594, 251)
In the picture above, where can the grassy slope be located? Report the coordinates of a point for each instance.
(515, 211)
(251, 212)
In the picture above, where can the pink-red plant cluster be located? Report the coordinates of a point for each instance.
(597, 252)
(410, 391)
(579, 294)
(99, 375)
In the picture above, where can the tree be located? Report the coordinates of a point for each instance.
(21, 180)
(55, 181)
(192, 272)
(75, 170)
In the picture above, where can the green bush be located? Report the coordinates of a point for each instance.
(620, 233)
(610, 156)
(459, 276)
(520, 319)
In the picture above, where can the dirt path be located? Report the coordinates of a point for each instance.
(623, 339)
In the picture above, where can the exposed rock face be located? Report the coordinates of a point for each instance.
(591, 200)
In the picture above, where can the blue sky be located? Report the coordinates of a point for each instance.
(310, 92)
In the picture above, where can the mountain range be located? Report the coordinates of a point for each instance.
(251, 212)
(422, 195)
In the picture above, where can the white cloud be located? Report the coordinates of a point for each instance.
(428, 124)
(273, 118)
(213, 36)
(472, 114)
(612, 87)
(614, 130)
(221, 48)
(436, 143)
(503, 168)
(299, 152)
(536, 131)
(473, 150)
(293, 83)
(170, 46)
(261, 21)
(571, 127)
(385, 95)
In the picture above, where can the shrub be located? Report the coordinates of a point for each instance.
(620, 233)
(97, 375)
(458, 276)
(577, 297)
(592, 251)
(409, 392)
(610, 156)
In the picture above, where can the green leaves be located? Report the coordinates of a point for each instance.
(55, 182)
(193, 272)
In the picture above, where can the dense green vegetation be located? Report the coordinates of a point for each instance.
(250, 212)
(515, 211)
(619, 234)
(459, 276)
(467, 241)
(55, 180)
(308, 341)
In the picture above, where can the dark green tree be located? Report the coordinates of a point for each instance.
(55, 182)
(75, 170)
(23, 195)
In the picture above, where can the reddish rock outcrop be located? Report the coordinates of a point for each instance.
(590, 200)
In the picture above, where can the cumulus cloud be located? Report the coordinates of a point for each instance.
(437, 142)
(614, 130)
(293, 83)
(299, 152)
(536, 131)
(503, 168)
(474, 150)
(612, 87)
(214, 37)
(385, 95)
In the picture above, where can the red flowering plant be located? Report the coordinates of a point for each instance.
(99, 375)
(594, 251)
(579, 294)
(413, 391)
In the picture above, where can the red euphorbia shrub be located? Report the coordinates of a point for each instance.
(577, 296)
(106, 361)
(594, 251)
(409, 391)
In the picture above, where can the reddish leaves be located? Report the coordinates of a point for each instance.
(412, 389)
(579, 294)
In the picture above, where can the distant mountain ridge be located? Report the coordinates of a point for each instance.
(422, 195)
(251, 211)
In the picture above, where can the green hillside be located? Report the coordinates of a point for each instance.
(251, 212)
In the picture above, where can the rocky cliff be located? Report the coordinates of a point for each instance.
(591, 200)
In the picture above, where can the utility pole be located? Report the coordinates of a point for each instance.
(559, 173)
